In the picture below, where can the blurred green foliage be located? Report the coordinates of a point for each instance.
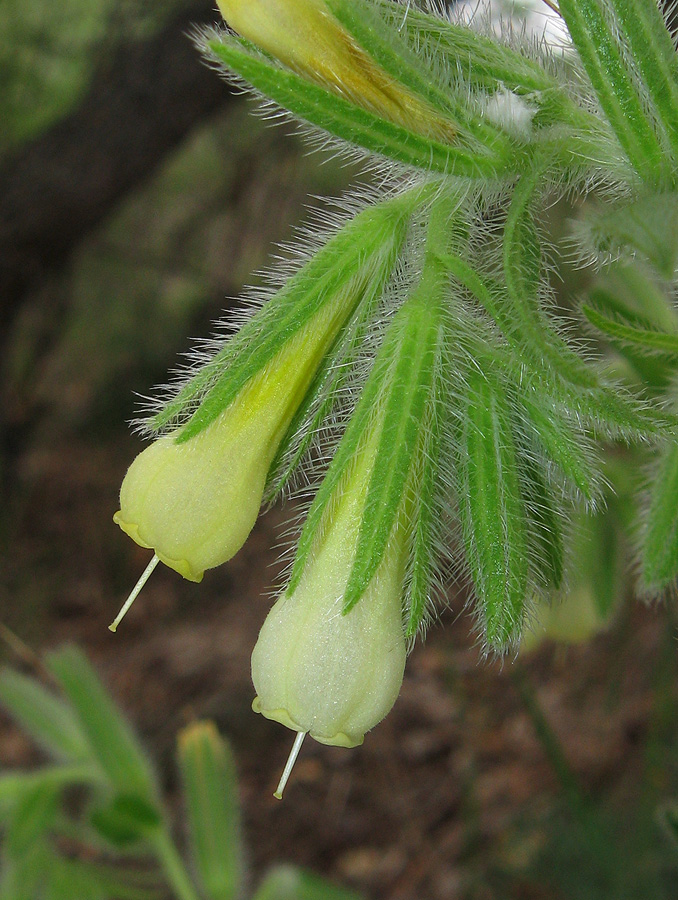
(48, 52)
(91, 823)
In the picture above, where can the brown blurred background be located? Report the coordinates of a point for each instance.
(137, 193)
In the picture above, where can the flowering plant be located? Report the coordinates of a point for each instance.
(418, 343)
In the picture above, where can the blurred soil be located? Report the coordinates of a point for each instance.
(453, 780)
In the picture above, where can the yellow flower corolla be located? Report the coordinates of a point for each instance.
(307, 38)
(316, 669)
(573, 620)
(194, 502)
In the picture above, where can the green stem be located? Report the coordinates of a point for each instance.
(551, 745)
(173, 866)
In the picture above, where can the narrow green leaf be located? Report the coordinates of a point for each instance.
(605, 567)
(654, 56)
(110, 737)
(632, 285)
(352, 123)
(660, 539)
(74, 878)
(211, 792)
(335, 368)
(32, 819)
(478, 60)
(545, 531)
(15, 785)
(646, 339)
(563, 443)
(321, 398)
(492, 511)
(46, 718)
(125, 819)
(290, 883)
(602, 54)
(609, 409)
(24, 877)
(627, 298)
(425, 511)
(405, 404)
(648, 225)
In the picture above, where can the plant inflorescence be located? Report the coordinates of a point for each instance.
(413, 371)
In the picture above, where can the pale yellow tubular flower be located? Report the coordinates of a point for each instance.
(195, 502)
(307, 38)
(572, 620)
(317, 670)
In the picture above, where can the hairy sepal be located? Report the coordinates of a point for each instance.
(650, 45)
(602, 51)
(394, 401)
(492, 511)
(407, 403)
(562, 442)
(355, 260)
(352, 123)
(383, 43)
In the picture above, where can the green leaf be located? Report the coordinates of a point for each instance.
(479, 60)
(110, 737)
(545, 531)
(426, 511)
(642, 338)
(604, 560)
(608, 407)
(352, 123)
(522, 271)
(125, 819)
(405, 404)
(603, 55)
(24, 877)
(32, 818)
(491, 509)
(355, 260)
(660, 539)
(351, 440)
(46, 718)
(289, 883)
(563, 443)
(648, 225)
(73, 878)
(654, 56)
(211, 792)
(16, 785)
(334, 370)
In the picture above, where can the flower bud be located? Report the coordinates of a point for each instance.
(307, 38)
(321, 670)
(573, 620)
(195, 501)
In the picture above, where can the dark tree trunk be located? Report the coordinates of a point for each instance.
(63, 184)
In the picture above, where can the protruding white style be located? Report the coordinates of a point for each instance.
(148, 571)
(289, 765)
